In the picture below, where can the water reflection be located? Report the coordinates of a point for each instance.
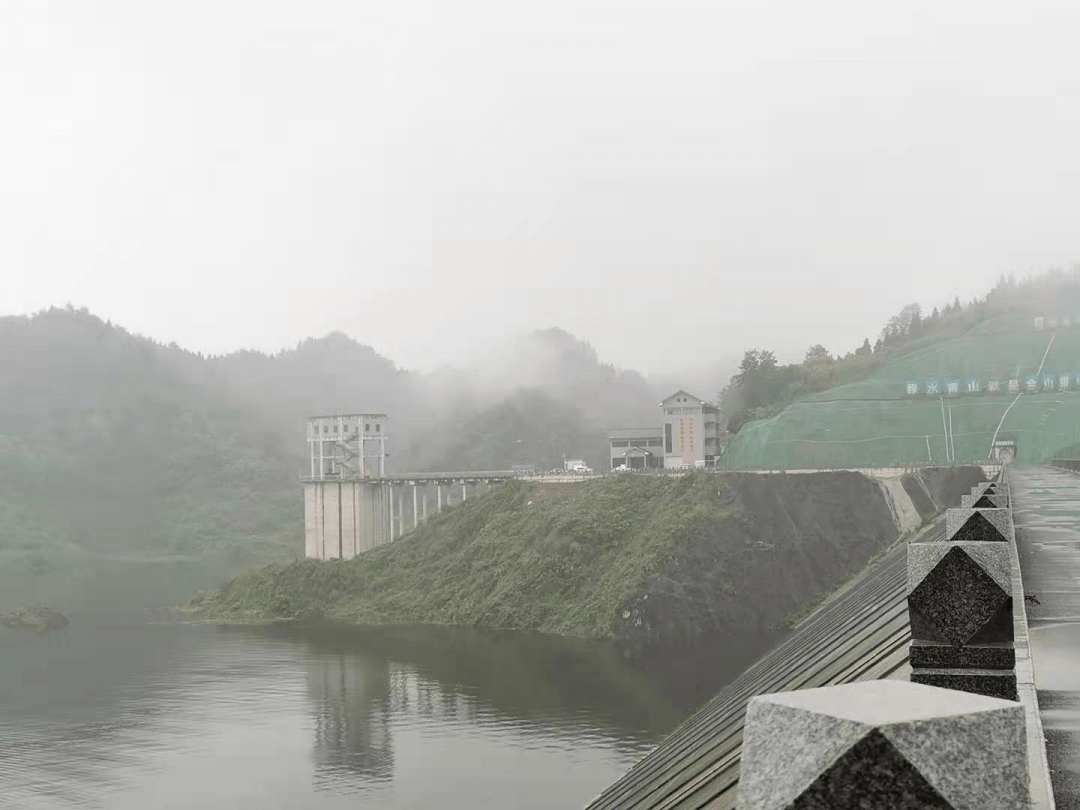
(445, 689)
(179, 716)
(351, 707)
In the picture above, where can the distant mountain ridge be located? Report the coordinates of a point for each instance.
(113, 446)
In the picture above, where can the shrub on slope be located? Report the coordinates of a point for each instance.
(558, 558)
(648, 561)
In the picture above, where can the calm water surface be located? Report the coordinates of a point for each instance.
(180, 716)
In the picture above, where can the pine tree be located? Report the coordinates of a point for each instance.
(915, 325)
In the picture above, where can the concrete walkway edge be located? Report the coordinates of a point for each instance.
(1042, 792)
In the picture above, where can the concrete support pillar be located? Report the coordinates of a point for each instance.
(424, 497)
(464, 491)
(439, 508)
(311, 520)
(390, 497)
(883, 743)
(415, 513)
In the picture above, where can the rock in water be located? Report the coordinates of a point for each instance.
(38, 618)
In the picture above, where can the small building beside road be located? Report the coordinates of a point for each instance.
(637, 448)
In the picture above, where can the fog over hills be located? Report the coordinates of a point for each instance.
(113, 446)
(117, 449)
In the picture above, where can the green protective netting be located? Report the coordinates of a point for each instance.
(874, 423)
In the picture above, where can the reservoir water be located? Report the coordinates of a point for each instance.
(169, 715)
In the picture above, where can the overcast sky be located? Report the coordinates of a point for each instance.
(671, 181)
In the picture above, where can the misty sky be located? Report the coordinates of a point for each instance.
(671, 181)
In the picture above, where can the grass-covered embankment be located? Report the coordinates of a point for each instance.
(647, 561)
(557, 558)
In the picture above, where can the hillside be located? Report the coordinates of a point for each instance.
(126, 464)
(647, 561)
(874, 422)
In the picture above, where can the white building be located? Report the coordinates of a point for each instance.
(692, 429)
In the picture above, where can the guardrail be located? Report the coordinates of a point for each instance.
(965, 732)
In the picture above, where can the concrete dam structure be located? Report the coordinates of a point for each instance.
(351, 505)
(925, 683)
(346, 517)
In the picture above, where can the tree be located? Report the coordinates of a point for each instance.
(759, 381)
(900, 323)
(879, 346)
(817, 352)
(935, 314)
(865, 350)
(956, 304)
(915, 325)
(749, 366)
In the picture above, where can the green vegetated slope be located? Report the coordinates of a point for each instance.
(645, 560)
(874, 422)
(134, 472)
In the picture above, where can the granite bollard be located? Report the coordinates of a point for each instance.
(960, 593)
(995, 683)
(984, 501)
(889, 745)
(938, 655)
(961, 614)
(977, 525)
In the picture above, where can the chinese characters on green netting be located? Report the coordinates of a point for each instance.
(1029, 384)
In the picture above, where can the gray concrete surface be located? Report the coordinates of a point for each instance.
(1046, 516)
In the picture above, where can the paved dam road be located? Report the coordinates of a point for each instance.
(1046, 513)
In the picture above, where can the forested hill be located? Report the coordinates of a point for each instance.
(892, 403)
(116, 450)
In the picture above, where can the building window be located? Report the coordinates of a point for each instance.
(620, 444)
(367, 428)
(654, 443)
(378, 428)
(325, 429)
(667, 437)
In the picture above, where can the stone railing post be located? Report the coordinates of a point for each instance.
(960, 601)
(885, 745)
